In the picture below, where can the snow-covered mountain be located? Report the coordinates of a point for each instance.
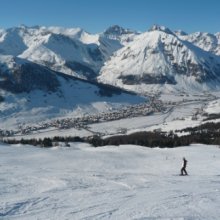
(152, 61)
(158, 60)
(19, 75)
(66, 52)
(31, 93)
(206, 41)
(55, 72)
(113, 39)
(72, 51)
(121, 34)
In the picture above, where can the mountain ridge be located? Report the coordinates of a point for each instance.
(73, 51)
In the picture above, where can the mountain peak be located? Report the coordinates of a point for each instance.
(117, 30)
(217, 35)
(156, 27)
(159, 59)
(180, 33)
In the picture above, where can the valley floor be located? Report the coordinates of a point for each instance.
(182, 114)
(125, 182)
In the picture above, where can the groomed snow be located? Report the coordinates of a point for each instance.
(126, 182)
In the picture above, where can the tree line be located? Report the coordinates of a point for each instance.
(208, 133)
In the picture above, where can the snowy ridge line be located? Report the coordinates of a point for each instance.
(78, 53)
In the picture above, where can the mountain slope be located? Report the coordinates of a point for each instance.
(57, 48)
(58, 51)
(206, 41)
(81, 182)
(31, 93)
(18, 75)
(159, 60)
(156, 60)
(72, 51)
(121, 34)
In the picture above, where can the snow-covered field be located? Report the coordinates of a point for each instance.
(126, 182)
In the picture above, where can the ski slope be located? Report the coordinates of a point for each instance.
(126, 182)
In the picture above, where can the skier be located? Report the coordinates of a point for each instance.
(183, 169)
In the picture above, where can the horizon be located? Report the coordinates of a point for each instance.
(97, 15)
(139, 31)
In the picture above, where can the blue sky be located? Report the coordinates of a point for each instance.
(97, 15)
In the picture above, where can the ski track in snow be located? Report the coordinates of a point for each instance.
(126, 182)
